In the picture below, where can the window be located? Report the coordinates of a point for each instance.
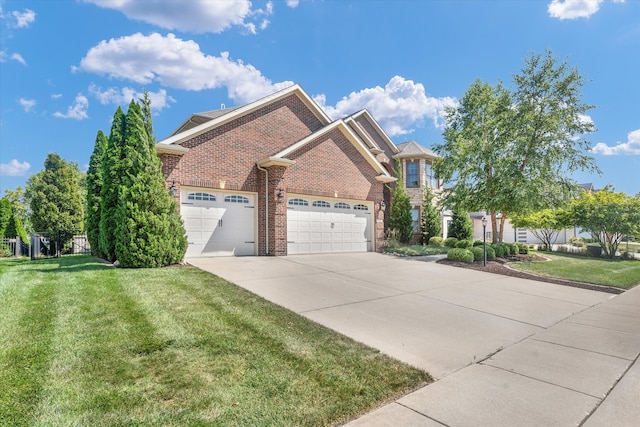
(201, 196)
(341, 205)
(360, 207)
(321, 204)
(430, 176)
(415, 219)
(298, 202)
(236, 199)
(412, 175)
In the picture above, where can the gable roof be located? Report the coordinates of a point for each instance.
(350, 134)
(200, 118)
(227, 115)
(411, 149)
(369, 118)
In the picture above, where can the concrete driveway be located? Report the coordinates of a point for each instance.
(488, 339)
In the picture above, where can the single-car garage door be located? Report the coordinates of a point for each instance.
(218, 223)
(317, 225)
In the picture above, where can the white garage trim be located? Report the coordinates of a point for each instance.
(219, 223)
(326, 225)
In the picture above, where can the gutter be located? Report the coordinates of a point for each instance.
(266, 206)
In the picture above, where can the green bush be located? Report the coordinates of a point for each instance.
(491, 253)
(506, 248)
(450, 242)
(513, 248)
(460, 254)
(478, 253)
(465, 244)
(523, 248)
(499, 250)
(436, 241)
(478, 243)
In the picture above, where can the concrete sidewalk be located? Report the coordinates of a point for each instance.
(505, 351)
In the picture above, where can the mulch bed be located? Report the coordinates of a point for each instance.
(501, 266)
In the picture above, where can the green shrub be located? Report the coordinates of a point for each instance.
(506, 248)
(465, 244)
(436, 241)
(491, 253)
(450, 242)
(478, 243)
(523, 248)
(478, 253)
(460, 254)
(499, 250)
(513, 248)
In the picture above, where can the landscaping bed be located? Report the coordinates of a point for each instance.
(501, 266)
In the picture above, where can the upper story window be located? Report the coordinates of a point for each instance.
(321, 204)
(236, 199)
(342, 205)
(298, 202)
(360, 207)
(413, 180)
(430, 176)
(201, 196)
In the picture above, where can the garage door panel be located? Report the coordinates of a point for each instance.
(218, 228)
(331, 229)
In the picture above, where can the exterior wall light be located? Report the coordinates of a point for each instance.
(280, 195)
(173, 189)
(383, 206)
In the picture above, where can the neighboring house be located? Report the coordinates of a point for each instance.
(278, 177)
(417, 172)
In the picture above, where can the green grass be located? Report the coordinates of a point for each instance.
(417, 250)
(86, 344)
(620, 274)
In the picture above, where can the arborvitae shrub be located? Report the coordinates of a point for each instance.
(450, 242)
(465, 244)
(436, 241)
(460, 254)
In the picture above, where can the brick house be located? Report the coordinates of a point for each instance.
(417, 172)
(278, 177)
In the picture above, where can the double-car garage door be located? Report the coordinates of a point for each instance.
(220, 223)
(327, 225)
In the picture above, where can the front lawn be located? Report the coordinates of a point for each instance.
(600, 271)
(82, 343)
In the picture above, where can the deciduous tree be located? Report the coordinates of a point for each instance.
(545, 224)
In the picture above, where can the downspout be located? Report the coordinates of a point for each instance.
(266, 205)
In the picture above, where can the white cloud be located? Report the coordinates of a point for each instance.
(198, 16)
(14, 168)
(24, 19)
(293, 3)
(56, 95)
(77, 111)
(399, 106)
(632, 146)
(19, 58)
(573, 9)
(123, 96)
(27, 104)
(177, 63)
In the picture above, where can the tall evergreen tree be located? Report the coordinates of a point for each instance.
(461, 227)
(111, 178)
(5, 215)
(55, 201)
(149, 230)
(94, 191)
(400, 216)
(430, 222)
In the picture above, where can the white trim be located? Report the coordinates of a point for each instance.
(275, 161)
(375, 124)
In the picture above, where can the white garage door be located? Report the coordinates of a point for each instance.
(218, 223)
(328, 225)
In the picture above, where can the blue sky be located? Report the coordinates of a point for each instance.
(66, 65)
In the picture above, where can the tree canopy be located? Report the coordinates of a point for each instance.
(545, 224)
(514, 151)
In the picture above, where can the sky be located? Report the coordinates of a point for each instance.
(65, 66)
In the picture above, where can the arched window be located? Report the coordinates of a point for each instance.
(236, 199)
(321, 204)
(201, 196)
(298, 202)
